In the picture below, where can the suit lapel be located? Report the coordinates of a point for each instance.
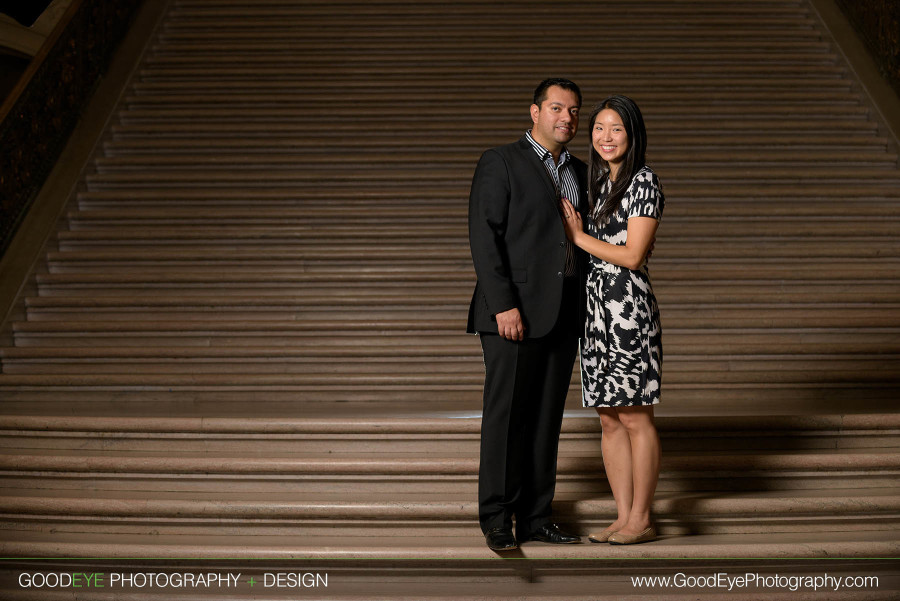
(532, 157)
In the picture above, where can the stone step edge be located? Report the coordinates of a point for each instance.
(774, 546)
(733, 394)
(449, 294)
(261, 176)
(15, 461)
(457, 359)
(853, 504)
(465, 379)
(455, 277)
(828, 315)
(575, 421)
(398, 326)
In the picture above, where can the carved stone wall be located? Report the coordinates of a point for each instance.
(878, 22)
(37, 125)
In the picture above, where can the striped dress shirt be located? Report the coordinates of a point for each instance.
(563, 176)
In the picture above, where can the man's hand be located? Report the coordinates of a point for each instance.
(510, 325)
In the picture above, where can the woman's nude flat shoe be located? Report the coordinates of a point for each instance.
(602, 537)
(632, 539)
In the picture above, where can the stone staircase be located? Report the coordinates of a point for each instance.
(244, 346)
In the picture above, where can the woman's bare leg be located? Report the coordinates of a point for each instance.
(616, 447)
(645, 459)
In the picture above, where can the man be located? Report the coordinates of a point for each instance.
(526, 309)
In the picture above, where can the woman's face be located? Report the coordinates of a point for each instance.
(609, 139)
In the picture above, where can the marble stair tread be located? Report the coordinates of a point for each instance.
(421, 76)
(219, 69)
(284, 237)
(173, 41)
(274, 501)
(411, 418)
(783, 48)
(732, 83)
(811, 191)
(786, 125)
(178, 461)
(656, 13)
(275, 285)
(443, 253)
(273, 117)
(395, 371)
(842, 93)
(191, 202)
(363, 175)
(436, 294)
(401, 435)
(439, 307)
(855, 372)
(252, 238)
(450, 108)
(192, 217)
(183, 58)
(747, 34)
(179, 233)
(125, 140)
(454, 24)
(388, 360)
(190, 206)
(450, 349)
(575, 486)
(734, 399)
(787, 545)
(452, 327)
(381, 278)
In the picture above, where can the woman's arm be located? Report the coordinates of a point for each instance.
(641, 231)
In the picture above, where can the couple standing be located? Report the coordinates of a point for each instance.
(560, 255)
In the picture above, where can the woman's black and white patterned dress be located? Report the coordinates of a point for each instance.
(621, 353)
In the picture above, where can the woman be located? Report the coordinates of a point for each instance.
(621, 352)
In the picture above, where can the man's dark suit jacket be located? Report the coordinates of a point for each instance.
(518, 240)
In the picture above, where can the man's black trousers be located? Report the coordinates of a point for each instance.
(524, 396)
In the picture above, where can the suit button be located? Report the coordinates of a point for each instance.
(559, 274)
(562, 244)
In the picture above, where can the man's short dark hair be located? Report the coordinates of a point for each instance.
(540, 92)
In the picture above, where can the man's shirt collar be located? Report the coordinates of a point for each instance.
(543, 153)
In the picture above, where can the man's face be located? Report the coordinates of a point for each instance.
(556, 120)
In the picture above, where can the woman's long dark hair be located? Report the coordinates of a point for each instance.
(635, 156)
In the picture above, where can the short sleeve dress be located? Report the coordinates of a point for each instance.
(621, 353)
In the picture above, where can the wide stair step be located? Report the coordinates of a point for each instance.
(293, 475)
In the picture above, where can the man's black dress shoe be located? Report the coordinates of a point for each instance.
(501, 539)
(550, 533)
